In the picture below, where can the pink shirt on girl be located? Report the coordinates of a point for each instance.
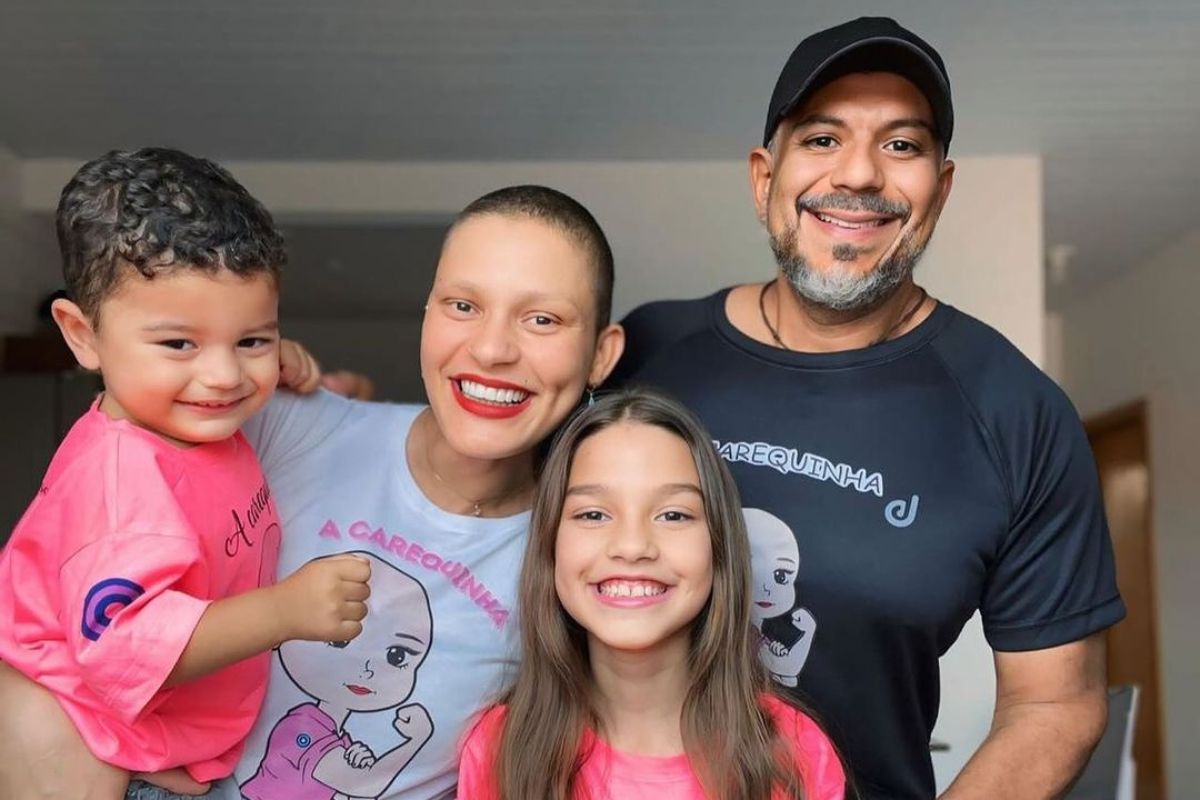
(610, 774)
(106, 575)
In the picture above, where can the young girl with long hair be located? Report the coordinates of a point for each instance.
(639, 675)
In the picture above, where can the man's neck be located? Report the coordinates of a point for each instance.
(809, 328)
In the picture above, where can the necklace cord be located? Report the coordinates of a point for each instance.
(477, 505)
(762, 310)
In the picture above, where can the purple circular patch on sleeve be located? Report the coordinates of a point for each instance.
(110, 592)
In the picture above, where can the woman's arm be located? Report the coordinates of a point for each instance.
(43, 758)
(41, 755)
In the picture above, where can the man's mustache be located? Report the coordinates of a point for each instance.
(870, 203)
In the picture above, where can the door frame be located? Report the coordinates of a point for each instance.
(1137, 412)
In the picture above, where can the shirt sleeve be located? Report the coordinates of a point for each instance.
(1054, 579)
(818, 760)
(475, 778)
(125, 621)
(291, 425)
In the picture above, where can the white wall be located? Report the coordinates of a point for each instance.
(1136, 337)
(986, 257)
(683, 230)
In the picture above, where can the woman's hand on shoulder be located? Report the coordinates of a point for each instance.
(298, 368)
(354, 385)
(300, 373)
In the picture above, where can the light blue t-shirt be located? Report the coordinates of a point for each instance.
(382, 715)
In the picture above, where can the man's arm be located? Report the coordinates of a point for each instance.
(1051, 706)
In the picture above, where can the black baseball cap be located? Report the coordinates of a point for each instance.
(866, 44)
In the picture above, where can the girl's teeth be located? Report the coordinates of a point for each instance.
(624, 589)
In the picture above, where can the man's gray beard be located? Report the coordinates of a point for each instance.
(841, 287)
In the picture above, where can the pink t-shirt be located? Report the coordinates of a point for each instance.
(610, 774)
(106, 575)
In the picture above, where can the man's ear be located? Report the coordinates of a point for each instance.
(609, 346)
(77, 331)
(945, 184)
(762, 169)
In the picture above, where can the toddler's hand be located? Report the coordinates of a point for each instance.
(325, 600)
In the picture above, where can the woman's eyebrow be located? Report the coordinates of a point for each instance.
(472, 287)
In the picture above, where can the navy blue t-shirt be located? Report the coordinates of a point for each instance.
(890, 492)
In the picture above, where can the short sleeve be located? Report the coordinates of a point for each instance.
(291, 425)
(475, 776)
(1054, 579)
(125, 621)
(818, 760)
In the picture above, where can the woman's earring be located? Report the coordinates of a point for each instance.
(591, 396)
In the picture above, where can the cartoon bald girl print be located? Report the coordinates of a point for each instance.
(775, 560)
(309, 755)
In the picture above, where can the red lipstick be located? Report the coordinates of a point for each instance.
(485, 409)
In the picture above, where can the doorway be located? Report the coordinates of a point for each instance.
(1119, 441)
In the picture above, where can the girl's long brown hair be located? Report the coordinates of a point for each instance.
(730, 740)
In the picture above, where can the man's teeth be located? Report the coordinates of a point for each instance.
(490, 394)
(631, 589)
(854, 226)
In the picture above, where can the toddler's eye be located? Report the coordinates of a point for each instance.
(177, 344)
(338, 645)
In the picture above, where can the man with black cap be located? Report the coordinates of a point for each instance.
(925, 468)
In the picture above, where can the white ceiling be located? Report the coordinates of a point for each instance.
(1108, 91)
